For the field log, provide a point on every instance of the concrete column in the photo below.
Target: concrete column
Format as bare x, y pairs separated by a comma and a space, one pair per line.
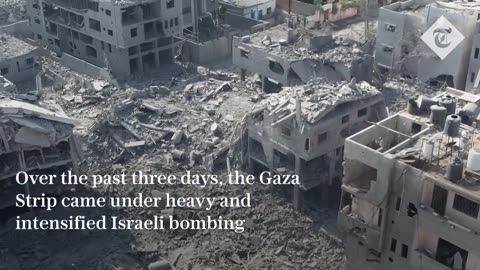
38, 82
157, 59
243, 74
195, 16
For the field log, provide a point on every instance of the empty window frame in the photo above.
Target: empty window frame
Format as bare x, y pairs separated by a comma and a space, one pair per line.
244, 53
94, 24
285, 130
91, 51
108, 12
393, 245
387, 48
362, 112
3, 71
466, 206
477, 51
170, 3
390, 27
322, 137
133, 32
345, 119
404, 253
29, 61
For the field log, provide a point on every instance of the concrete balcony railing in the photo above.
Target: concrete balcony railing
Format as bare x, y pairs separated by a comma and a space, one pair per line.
427, 261
449, 230
349, 223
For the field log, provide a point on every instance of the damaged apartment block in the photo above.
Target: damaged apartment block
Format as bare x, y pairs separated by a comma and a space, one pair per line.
302, 130
34, 140
283, 56
411, 188
400, 49
126, 37
18, 59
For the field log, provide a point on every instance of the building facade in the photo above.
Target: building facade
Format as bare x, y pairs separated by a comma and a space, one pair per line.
18, 59
126, 37
303, 131
400, 49
410, 190
285, 56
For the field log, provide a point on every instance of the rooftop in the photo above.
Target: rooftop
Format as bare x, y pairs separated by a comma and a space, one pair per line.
19, 108
297, 44
11, 47
403, 136
246, 3
317, 99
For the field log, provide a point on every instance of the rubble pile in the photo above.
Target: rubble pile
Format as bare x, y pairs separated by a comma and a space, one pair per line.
296, 44
169, 125
12, 11
398, 91
317, 98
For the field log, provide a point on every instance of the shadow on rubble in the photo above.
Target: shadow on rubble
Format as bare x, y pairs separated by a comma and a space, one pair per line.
64, 249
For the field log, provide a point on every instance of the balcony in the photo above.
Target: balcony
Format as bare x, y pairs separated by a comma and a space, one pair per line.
428, 260
449, 230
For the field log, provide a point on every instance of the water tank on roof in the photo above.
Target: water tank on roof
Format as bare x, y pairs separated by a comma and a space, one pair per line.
438, 114
455, 169
449, 103
427, 150
469, 113
452, 125
473, 161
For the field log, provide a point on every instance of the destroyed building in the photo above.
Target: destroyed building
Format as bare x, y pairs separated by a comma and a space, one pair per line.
283, 56
18, 59
302, 130
399, 46
33, 139
126, 37
252, 9
411, 188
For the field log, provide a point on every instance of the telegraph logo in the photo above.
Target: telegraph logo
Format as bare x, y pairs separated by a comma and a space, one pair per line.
442, 37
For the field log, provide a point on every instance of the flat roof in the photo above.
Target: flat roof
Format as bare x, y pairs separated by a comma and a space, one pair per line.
297, 44
11, 47
404, 135
317, 99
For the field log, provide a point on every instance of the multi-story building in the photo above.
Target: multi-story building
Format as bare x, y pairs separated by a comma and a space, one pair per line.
33, 140
411, 188
399, 47
18, 59
301, 130
473, 78
285, 56
124, 36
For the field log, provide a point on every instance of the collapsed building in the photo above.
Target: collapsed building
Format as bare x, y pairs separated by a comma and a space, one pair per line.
411, 188
302, 130
33, 139
283, 56
125, 37
400, 49
18, 59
